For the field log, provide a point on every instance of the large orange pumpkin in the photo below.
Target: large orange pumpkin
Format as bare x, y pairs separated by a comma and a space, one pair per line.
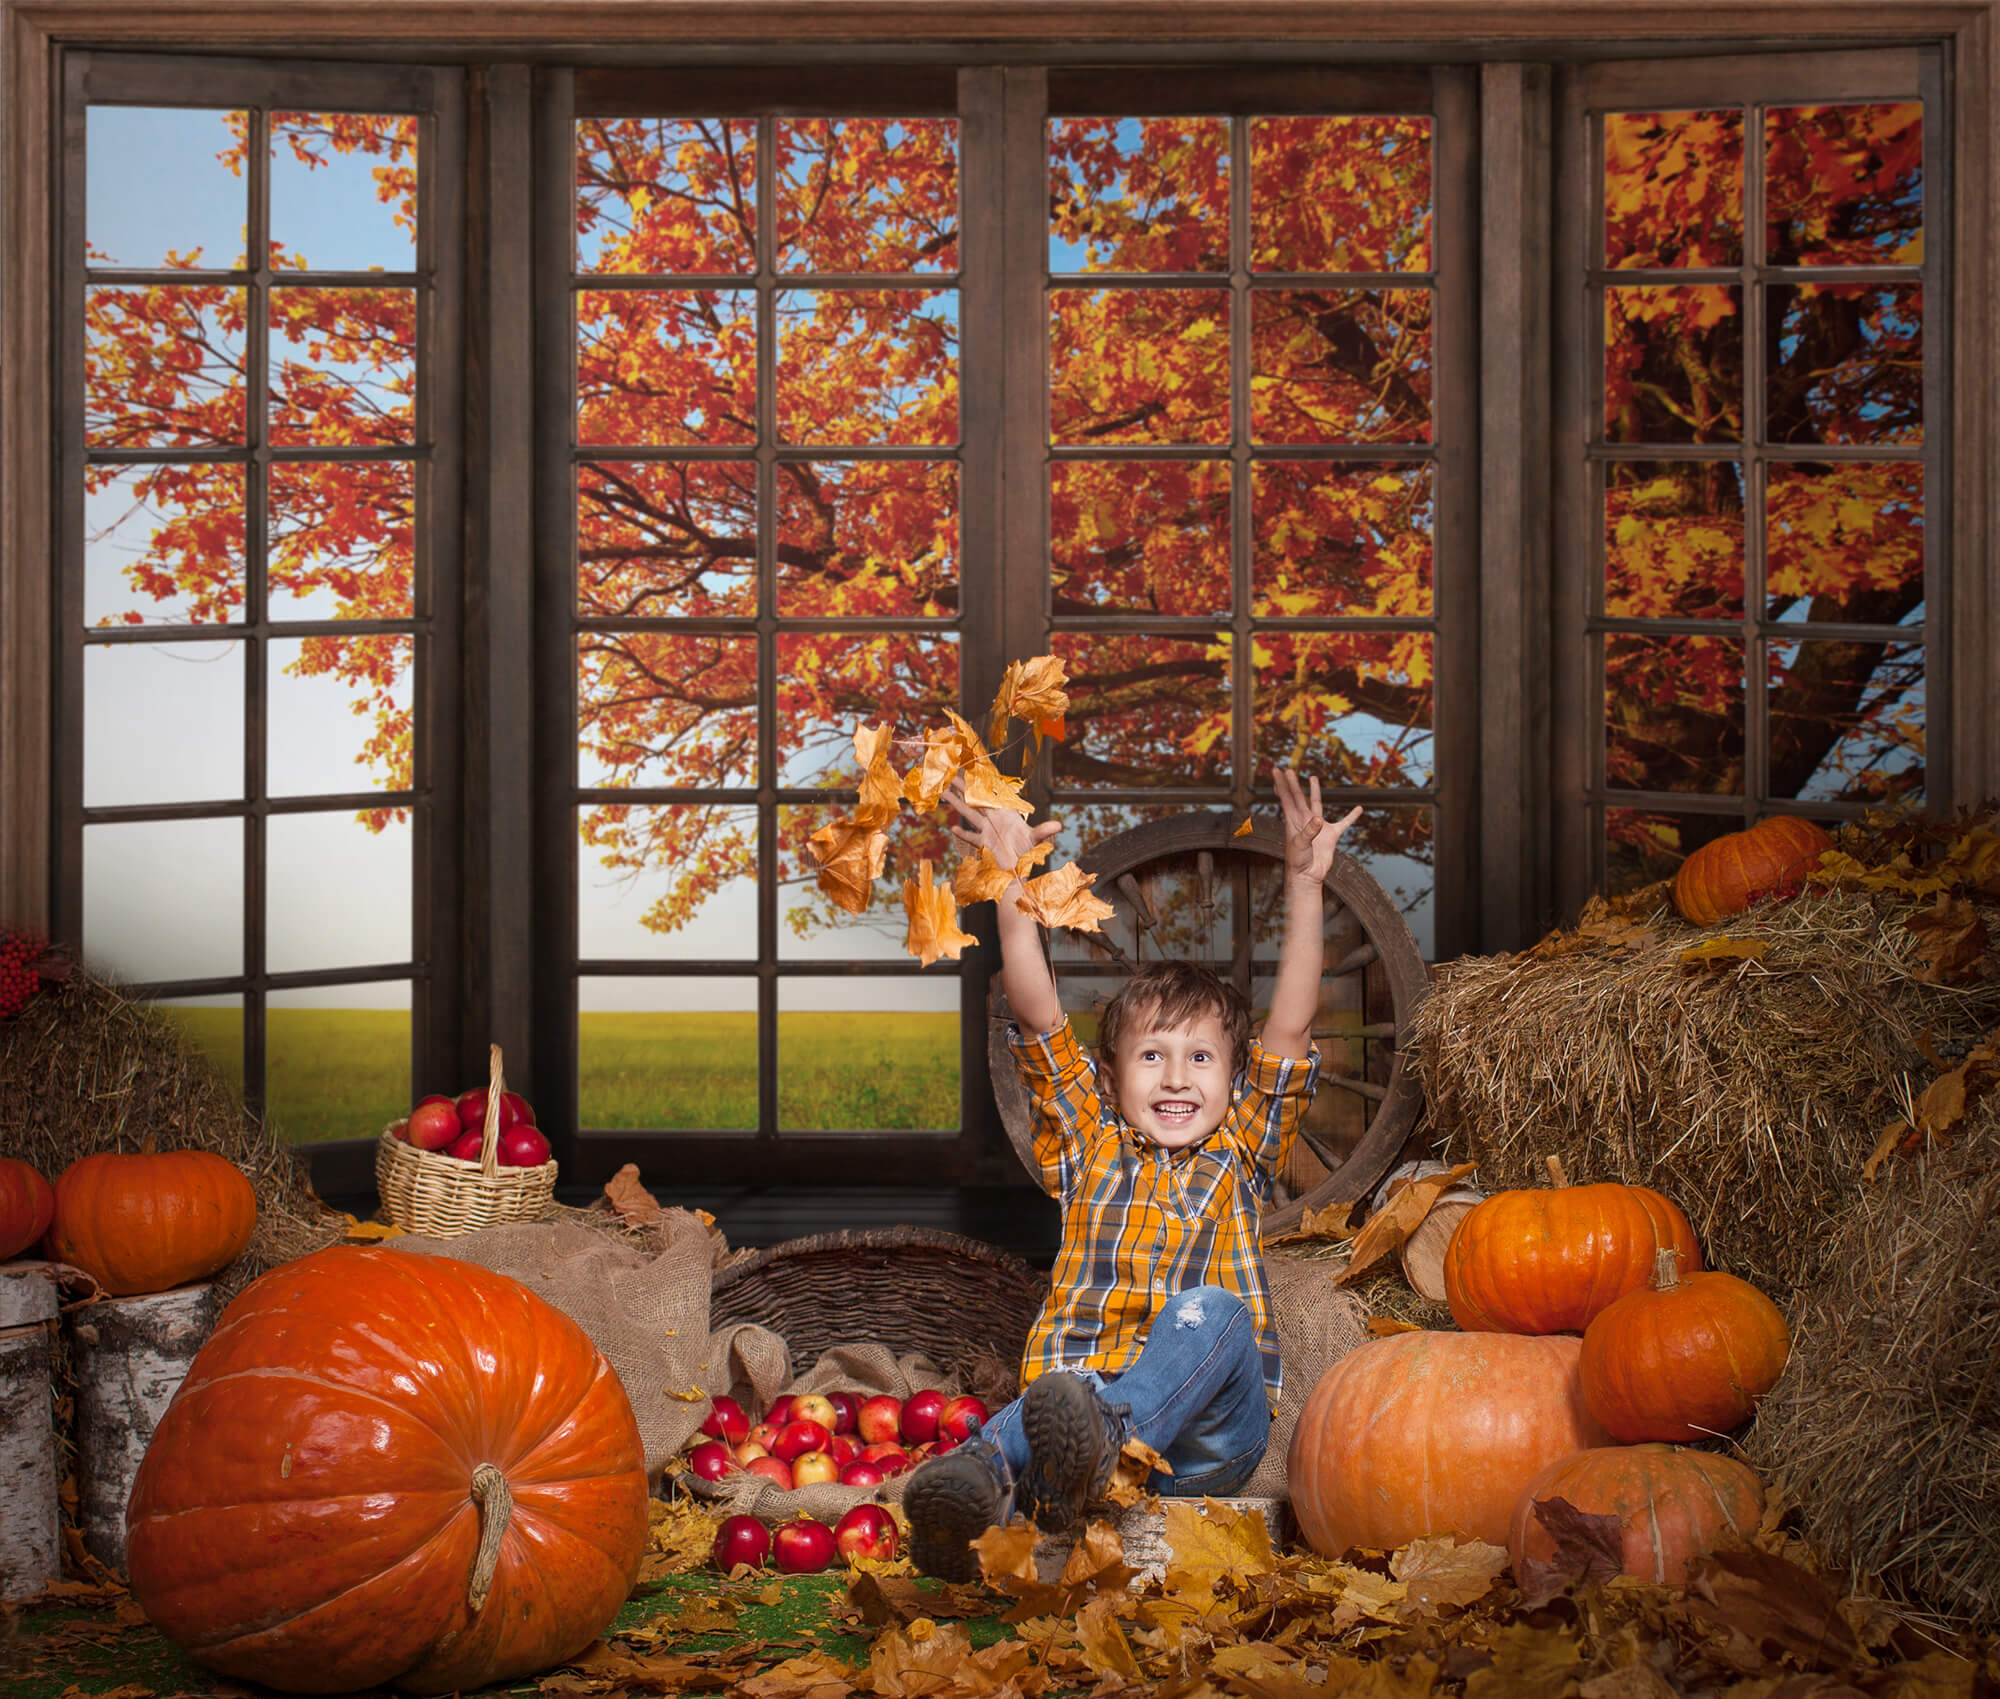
1431, 1433
1727, 874
1548, 1259
146, 1221
1672, 1505
385, 1467
27, 1202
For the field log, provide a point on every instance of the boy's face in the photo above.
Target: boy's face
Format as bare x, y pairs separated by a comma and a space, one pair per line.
1173, 1082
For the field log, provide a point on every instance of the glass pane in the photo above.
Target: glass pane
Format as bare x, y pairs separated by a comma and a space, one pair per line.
666, 366
865, 1055
1139, 365
1674, 714
1846, 541
678, 1053
344, 191
163, 545
666, 884
1673, 363
358, 869
1348, 707
1847, 721
1085, 825
214, 1026
1329, 541
659, 539
163, 899
1644, 846
1139, 194
1340, 365
1144, 711
813, 928
1848, 366
1673, 189
1673, 539
1140, 536
1845, 184
831, 682
868, 366
867, 194
1340, 194
655, 708
343, 540
1187, 917
868, 539
163, 367
337, 1062
1398, 846
162, 722
342, 714
343, 367
666, 195
164, 186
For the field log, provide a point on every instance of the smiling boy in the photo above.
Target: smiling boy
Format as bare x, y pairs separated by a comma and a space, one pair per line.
1162, 1152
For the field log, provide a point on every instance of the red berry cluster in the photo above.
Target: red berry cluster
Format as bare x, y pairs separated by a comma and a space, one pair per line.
20, 970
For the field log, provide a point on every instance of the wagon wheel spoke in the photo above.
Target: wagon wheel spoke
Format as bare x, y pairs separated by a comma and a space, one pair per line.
1361, 956
1360, 1087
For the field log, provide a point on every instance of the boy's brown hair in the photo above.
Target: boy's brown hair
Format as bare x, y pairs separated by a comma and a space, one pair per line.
1173, 994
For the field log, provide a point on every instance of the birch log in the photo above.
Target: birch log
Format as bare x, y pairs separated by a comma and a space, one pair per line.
30, 1536
128, 1357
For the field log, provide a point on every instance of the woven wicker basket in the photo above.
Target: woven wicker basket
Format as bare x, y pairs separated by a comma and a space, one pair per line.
425, 1191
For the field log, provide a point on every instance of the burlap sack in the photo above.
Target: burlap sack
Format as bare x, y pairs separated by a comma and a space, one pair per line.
1318, 1324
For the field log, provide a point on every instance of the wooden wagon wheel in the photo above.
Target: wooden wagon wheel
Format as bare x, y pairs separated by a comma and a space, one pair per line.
1187, 887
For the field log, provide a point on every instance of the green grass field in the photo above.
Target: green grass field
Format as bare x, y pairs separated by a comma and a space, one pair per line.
345, 1073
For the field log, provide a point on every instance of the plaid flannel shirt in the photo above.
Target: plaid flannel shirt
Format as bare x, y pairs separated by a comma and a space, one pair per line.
1140, 1223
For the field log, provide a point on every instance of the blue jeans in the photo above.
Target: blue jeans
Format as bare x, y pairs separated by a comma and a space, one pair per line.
1196, 1396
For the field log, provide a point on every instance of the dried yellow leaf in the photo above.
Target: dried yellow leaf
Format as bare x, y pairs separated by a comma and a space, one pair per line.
850, 857
1062, 898
934, 929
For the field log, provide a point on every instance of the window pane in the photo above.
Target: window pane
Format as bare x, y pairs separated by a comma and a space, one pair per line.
658, 539
358, 871
162, 722
1845, 184
666, 195
343, 366
658, 708
214, 1026
1340, 365
867, 539
1340, 194
1396, 846
1847, 721
342, 539
1643, 846
868, 366
1330, 541
342, 713
1673, 189
164, 187
337, 1062
864, 1054
666, 366
867, 194
671, 883
1349, 707
163, 367
1140, 536
1674, 714
163, 899
813, 928
1085, 825
163, 545
1673, 539
1846, 541
1139, 365
1848, 365
831, 682
1139, 194
344, 191
668, 1053
1144, 711
1673, 363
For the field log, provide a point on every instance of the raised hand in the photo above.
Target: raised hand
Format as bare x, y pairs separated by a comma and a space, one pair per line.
1311, 840
1006, 834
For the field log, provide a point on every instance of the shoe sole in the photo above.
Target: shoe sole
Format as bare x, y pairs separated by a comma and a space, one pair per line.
1066, 1439
947, 1511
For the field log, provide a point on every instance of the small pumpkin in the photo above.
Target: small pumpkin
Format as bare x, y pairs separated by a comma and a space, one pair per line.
1549, 1259
146, 1221
1673, 1505
27, 1201
1431, 1433
1727, 874
1687, 1358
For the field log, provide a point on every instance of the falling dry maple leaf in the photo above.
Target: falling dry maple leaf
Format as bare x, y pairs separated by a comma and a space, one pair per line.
881, 784
980, 879
1032, 691
850, 858
933, 916
1062, 898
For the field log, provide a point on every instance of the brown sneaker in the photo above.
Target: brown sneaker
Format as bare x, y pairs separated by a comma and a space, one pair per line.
1074, 1438
952, 1500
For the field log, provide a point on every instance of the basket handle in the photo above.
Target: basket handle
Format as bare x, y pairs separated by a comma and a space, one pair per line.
489, 1145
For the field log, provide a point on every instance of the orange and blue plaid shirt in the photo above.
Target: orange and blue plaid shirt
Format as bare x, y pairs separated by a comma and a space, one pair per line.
1140, 1223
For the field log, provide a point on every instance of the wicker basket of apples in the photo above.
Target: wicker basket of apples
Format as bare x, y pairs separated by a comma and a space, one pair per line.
454, 1165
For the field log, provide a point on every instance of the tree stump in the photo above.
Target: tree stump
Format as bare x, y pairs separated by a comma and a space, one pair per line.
30, 1523
128, 1357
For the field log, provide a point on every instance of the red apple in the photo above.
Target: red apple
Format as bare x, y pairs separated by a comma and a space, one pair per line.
890, 1459
514, 1110
746, 1451
866, 1531
943, 1443
795, 1439
521, 1147
846, 1449
726, 1420
920, 1414
862, 1473
772, 1469
804, 1547
811, 1466
711, 1460
962, 1415
780, 1412
741, 1539
764, 1434
814, 1407
880, 1418
432, 1124
468, 1146
401, 1129
846, 1411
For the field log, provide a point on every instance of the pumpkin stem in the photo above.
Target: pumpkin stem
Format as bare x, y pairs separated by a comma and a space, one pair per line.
1666, 1268
496, 1506
1554, 1164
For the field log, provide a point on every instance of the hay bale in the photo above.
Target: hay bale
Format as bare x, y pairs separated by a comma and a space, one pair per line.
1749, 1092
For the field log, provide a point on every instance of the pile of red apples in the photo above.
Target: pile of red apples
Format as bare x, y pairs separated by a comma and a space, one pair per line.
456, 1127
